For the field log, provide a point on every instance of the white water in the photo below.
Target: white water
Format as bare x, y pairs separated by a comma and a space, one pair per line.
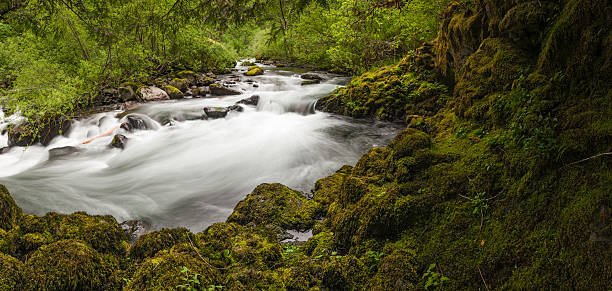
191, 172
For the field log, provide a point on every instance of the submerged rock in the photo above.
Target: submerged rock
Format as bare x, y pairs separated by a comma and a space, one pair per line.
311, 76
220, 90
134, 122
310, 82
253, 100
119, 141
237, 108
61, 152
215, 112
135, 229
4, 150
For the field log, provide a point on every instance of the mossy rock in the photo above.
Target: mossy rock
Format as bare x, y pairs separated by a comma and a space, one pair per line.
68, 265
10, 213
277, 205
254, 71
11, 273
396, 271
327, 190
149, 244
320, 244
375, 166
188, 75
256, 248
245, 278
173, 92
165, 272
310, 82
344, 273
218, 237
8, 241
408, 141
247, 64
180, 84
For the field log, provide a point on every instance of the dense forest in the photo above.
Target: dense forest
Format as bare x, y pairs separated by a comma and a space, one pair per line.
498, 178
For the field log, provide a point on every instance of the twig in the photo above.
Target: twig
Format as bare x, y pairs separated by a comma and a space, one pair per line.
468, 198
198, 252
483, 280
589, 158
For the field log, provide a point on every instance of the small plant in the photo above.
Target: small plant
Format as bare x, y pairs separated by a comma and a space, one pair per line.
373, 258
433, 278
193, 283
480, 203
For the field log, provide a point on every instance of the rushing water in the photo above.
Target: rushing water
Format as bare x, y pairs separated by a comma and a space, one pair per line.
186, 172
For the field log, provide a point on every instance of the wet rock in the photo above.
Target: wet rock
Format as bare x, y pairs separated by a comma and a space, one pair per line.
200, 92
119, 141
255, 85
215, 112
253, 100
61, 152
4, 150
220, 90
237, 108
24, 135
311, 76
153, 93
134, 122
190, 76
205, 81
310, 82
127, 94
135, 228
249, 81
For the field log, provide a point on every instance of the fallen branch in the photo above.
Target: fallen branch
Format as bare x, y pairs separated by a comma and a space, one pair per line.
483, 280
589, 158
107, 133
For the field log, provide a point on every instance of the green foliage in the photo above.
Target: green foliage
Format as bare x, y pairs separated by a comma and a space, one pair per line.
434, 279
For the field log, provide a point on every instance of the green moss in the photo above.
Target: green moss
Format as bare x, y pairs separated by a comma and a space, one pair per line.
254, 71
396, 271
173, 92
11, 274
10, 213
408, 141
243, 278
150, 244
256, 248
103, 233
189, 75
8, 241
68, 265
344, 273
277, 205
163, 272
327, 189
180, 84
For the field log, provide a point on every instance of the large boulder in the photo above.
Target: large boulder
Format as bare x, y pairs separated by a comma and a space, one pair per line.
49, 128
220, 90
57, 153
68, 265
153, 93
275, 205
215, 112
151, 243
11, 273
9, 211
253, 100
134, 122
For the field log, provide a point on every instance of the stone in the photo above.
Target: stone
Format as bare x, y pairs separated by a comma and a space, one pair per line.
220, 90
119, 141
237, 108
134, 122
62, 152
253, 100
23, 135
311, 76
153, 93
215, 112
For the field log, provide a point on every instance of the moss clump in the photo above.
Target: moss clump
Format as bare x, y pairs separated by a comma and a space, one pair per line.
275, 205
149, 244
68, 265
254, 71
188, 75
180, 84
396, 271
10, 213
11, 273
408, 141
100, 232
8, 241
173, 92
164, 272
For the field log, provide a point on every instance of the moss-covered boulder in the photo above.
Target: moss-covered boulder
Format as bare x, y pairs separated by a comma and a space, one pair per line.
68, 265
11, 273
171, 270
102, 233
276, 205
173, 92
190, 76
254, 71
10, 213
180, 84
149, 244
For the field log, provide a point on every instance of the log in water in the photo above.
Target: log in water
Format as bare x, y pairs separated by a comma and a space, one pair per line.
186, 171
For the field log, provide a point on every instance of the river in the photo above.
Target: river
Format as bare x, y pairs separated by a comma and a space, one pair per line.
192, 173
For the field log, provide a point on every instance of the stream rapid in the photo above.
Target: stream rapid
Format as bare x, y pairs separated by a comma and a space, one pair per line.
186, 171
